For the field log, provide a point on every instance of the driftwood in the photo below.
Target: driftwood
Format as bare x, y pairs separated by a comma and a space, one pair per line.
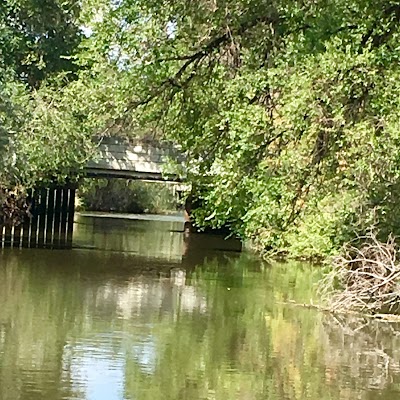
395, 318
365, 279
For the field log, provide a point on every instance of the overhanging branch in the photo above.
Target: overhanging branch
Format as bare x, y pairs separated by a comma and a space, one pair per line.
197, 57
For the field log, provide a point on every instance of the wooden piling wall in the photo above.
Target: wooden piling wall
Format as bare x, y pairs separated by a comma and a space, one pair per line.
50, 225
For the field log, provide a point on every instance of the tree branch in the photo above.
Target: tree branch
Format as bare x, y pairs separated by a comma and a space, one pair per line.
378, 39
213, 45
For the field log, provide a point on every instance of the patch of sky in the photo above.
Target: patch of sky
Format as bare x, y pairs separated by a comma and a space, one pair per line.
86, 30
171, 29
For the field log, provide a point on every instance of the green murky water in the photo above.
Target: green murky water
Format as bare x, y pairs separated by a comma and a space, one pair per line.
143, 313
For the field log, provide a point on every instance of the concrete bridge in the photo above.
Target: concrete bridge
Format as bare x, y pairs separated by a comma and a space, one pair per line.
143, 160
51, 224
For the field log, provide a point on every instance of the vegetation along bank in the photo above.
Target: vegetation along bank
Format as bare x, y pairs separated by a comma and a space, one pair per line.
288, 111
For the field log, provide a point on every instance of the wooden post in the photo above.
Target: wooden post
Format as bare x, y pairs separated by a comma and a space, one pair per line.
57, 218
34, 221
64, 217
17, 236
42, 218
71, 211
26, 226
186, 212
25, 232
7, 236
49, 218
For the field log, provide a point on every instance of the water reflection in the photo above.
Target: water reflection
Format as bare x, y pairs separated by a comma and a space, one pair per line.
148, 238
88, 324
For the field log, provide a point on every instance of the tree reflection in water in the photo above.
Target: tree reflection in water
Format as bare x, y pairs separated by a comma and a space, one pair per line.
95, 325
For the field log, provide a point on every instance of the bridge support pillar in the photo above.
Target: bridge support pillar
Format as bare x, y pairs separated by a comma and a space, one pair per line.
188, 221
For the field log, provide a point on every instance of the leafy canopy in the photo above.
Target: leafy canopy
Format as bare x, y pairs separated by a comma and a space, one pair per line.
288, 110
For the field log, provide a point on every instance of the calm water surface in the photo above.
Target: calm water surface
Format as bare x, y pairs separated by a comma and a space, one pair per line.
140, 312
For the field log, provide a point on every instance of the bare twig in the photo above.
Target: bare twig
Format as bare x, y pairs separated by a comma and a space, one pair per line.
368, 278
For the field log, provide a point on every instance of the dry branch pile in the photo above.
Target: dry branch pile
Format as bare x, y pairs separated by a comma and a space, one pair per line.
367, 279
14, 206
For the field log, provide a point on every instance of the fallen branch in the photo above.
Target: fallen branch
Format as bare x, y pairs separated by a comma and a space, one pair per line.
395, 318
365, 279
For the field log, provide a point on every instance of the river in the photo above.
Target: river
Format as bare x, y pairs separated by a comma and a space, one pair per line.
139, 311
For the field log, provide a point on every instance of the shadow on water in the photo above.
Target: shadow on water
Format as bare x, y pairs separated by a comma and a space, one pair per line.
161, 238
146, 319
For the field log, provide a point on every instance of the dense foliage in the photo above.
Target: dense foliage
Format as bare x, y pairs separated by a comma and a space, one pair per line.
288, 110
121, 195
37, 42
37, 37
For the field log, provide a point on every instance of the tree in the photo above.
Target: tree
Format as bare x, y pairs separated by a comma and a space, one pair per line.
41, 137
38, 37
288, 110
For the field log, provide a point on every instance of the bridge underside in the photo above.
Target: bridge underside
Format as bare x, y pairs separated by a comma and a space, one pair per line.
99, 173
130, 174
